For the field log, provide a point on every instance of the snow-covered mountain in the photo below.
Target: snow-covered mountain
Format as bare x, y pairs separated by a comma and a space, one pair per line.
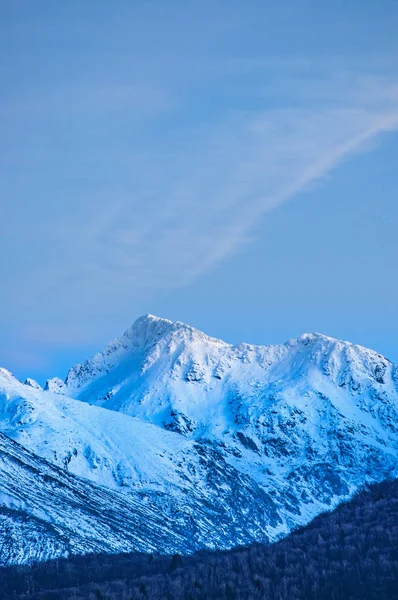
273, 411
230, 443
46, 512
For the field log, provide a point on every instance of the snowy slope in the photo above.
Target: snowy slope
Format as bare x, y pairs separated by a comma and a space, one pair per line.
46, 512
309, 420
159, 370
190, 486
230, 443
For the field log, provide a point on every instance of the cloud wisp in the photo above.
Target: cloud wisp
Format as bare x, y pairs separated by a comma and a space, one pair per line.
195, 199
250, 165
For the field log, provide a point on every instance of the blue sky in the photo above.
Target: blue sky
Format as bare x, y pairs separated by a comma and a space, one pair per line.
232, 165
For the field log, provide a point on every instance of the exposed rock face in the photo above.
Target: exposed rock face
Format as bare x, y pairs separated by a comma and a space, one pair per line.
33, 384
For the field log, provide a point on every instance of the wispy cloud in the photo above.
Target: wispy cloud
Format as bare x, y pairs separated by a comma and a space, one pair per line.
197, 197
245, 168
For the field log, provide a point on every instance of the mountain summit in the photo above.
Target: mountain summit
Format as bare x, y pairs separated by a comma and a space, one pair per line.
232, 443
159, 369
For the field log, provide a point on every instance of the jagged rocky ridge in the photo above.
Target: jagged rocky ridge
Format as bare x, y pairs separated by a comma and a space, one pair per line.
233, 443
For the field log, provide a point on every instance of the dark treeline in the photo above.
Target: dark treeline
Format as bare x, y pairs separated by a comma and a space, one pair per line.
349, 554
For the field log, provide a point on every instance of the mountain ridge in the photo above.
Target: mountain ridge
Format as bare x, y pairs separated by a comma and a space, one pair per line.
197, 427
138, 334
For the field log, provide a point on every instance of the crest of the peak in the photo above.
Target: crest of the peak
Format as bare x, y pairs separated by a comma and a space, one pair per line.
150, 328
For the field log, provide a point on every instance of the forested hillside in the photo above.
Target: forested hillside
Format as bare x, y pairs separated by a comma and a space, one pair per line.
350, 553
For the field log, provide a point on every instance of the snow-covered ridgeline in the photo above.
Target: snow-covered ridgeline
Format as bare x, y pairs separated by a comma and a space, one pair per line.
234, 443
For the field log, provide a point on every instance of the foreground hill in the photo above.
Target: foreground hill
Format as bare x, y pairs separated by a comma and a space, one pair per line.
150, 489
228, 444
349, 554
46, 512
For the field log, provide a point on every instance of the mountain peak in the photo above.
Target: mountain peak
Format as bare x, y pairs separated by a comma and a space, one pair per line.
145, 329
315, 337
155, 354
7, 375
149, 328
55, 385
32, 383
153, 319
147, 334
